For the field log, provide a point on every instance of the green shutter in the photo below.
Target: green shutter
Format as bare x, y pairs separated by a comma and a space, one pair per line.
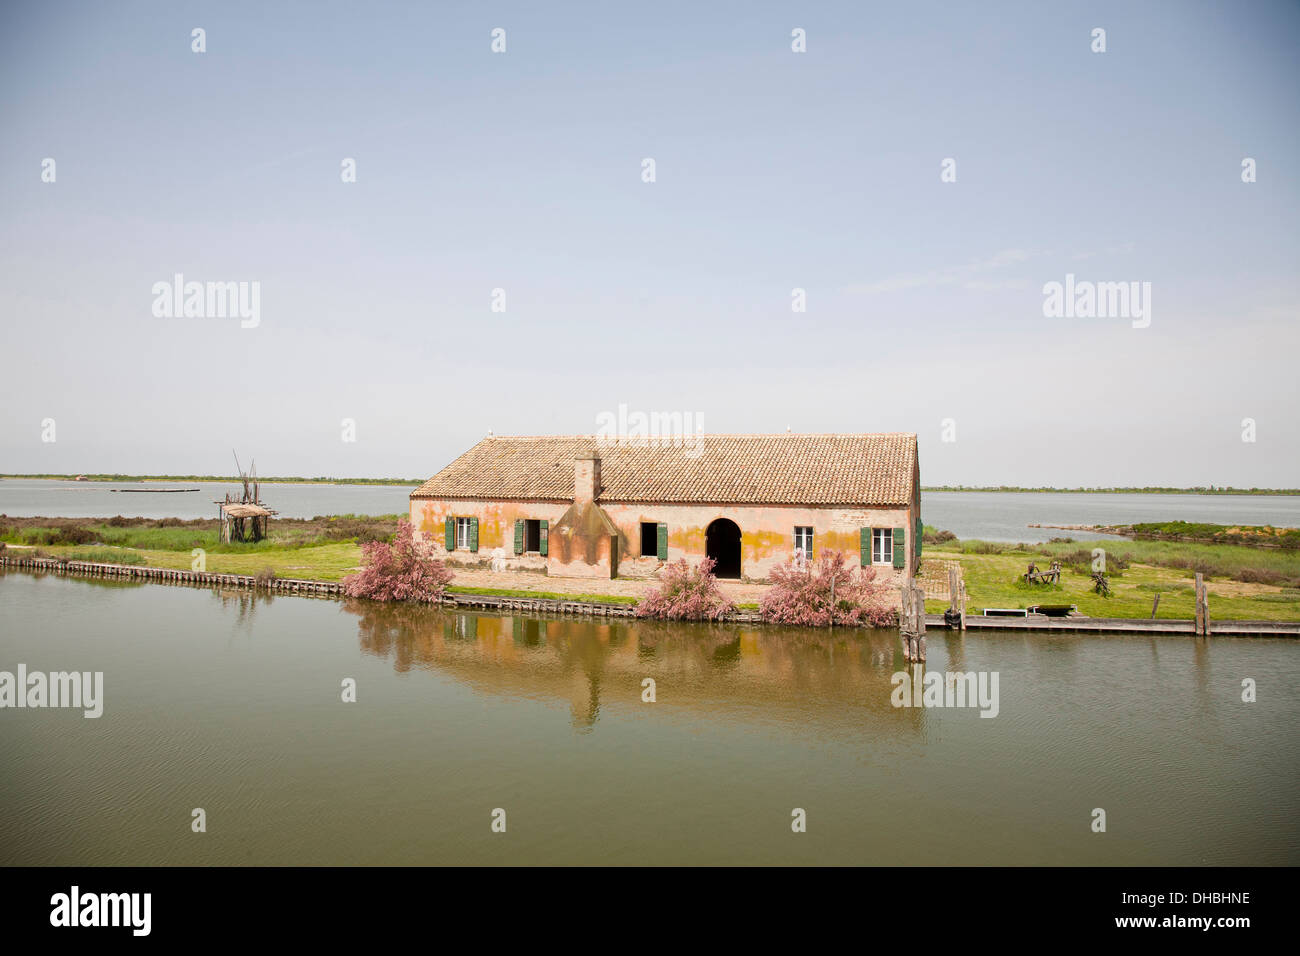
661, 535
473, 534
919, 531
519, 536
864, 546
544, 537
451, 534
900, 544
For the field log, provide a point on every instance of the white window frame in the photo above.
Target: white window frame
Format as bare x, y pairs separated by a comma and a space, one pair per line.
463, 526
882, 546
803, 538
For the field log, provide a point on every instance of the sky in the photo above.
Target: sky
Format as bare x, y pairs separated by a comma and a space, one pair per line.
380, 348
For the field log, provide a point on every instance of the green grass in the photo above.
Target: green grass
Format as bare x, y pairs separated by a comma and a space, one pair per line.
995, 580
322, 562
1234, 562
547, 595
1258, 535
104, 555
184, 536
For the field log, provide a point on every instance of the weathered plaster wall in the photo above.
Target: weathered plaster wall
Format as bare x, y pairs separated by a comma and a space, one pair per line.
496, 526
583, 543
767, 532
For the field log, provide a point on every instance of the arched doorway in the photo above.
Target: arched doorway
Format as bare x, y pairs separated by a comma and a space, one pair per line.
722, 544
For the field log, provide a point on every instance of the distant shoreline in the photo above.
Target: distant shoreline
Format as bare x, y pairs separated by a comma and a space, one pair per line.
225, 479
1008, 489
412, 482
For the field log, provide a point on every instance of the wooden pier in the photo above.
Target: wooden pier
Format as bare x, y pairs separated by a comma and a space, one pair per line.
1124, 625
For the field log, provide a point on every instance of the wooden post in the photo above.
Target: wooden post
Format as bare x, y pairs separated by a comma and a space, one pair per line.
1155, 605
907, 611
954, 591
832, 602
1202, 609
1204, 604
918, 596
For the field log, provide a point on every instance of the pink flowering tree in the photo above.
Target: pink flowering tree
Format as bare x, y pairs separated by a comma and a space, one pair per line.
402, 571
827, 592
686, 593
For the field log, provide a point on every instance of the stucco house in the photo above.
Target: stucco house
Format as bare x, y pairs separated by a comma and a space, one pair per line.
581, 506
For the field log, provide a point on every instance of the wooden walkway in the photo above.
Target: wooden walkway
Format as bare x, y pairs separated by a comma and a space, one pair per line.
1121, 625
494, 602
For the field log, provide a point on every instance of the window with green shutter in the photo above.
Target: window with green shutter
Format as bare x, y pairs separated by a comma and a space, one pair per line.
900, 546
451, 534
882, 545
544, 537
663, 541
920, 528
473, 534
864, 546
519, 536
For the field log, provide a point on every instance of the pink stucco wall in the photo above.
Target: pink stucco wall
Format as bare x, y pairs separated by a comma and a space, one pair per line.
767, 532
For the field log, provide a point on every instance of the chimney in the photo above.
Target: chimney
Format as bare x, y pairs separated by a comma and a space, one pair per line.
586, 477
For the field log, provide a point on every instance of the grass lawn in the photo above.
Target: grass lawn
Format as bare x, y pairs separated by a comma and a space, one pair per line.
993, 580
324, 562
548, 595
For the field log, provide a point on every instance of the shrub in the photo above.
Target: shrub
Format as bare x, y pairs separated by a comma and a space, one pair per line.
265, 578
801, 596
686, 594
1080, 561
402, 571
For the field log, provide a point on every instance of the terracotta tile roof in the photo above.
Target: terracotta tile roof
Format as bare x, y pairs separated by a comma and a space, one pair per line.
873, 469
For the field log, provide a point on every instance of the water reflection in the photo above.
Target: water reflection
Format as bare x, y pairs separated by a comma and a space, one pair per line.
790, 675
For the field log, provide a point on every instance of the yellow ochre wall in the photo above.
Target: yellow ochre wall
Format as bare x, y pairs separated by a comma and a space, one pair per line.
767, 531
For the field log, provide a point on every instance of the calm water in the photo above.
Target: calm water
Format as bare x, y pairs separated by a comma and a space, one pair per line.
22, 498
992, 516
1005, 516
233, 704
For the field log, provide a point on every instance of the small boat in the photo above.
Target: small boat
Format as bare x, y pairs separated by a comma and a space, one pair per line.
1054, 610
150, 491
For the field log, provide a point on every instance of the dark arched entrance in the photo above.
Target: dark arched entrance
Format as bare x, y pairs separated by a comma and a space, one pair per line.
722, 544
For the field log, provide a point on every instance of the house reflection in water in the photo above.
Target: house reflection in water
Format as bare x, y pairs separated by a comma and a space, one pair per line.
831, 680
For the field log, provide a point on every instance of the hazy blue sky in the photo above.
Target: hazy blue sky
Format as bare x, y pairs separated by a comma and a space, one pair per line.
775, 170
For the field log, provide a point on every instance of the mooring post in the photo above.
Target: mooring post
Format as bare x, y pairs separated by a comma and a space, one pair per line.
1204, 601
906, 612
1202, 625
1155, 605
918, 597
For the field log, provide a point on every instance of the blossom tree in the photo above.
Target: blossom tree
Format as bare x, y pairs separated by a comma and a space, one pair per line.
828, 592
402, 571
686, 593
